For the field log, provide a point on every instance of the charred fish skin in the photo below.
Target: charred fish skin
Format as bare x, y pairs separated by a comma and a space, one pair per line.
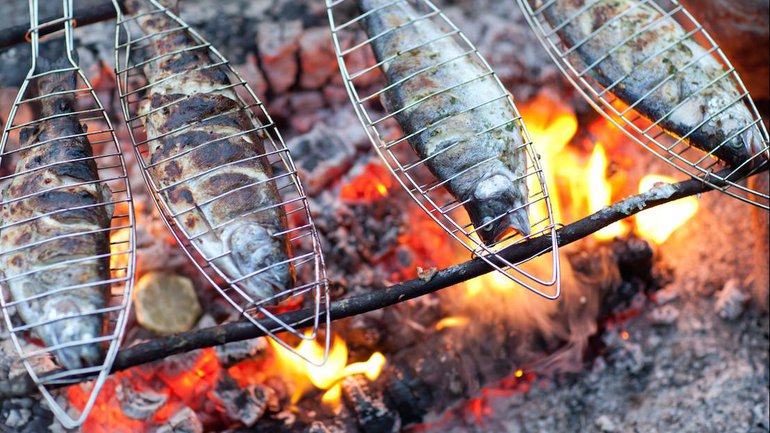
479, 152
56, 209
205, 158
677, 74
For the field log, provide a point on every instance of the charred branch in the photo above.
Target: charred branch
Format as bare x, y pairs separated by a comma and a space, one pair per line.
84, 13
161, 348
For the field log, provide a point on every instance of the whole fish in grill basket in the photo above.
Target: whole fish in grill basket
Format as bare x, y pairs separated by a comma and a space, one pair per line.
206, 157
642, 55
55, 227
65, 281
476, 152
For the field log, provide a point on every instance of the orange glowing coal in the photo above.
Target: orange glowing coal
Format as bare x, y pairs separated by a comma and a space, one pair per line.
304, 375
369, 186
660, 222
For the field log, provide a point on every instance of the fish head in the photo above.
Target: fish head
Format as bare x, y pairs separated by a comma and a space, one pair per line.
497, 206
72, 325
262, 258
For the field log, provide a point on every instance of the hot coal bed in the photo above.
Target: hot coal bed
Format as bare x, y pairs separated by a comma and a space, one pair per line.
656, 330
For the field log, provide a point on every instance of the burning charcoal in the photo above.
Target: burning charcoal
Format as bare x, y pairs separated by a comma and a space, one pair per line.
373, 414
317, 58
321, 157
731, 300
278, 43
166, 303
230, 354
138, 404
184, 421
245, 405
664, 315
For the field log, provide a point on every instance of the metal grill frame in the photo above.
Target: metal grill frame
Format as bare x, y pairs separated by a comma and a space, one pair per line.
689, 160
427, 199
122, 279
250, 309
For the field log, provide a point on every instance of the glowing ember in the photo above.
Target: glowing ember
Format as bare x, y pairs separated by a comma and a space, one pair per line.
519, 373
660, 222
371, 185
452, 322
305, 375
600, 191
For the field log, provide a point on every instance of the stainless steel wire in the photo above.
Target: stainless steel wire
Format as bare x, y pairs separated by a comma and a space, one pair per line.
305, 257
674, 148
50, 240
366, 83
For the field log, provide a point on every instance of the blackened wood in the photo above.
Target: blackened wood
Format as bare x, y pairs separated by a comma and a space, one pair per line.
84, 13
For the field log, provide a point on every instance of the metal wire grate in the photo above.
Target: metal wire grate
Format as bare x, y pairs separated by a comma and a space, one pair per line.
652, 70
409, 57
218, 170
67, 226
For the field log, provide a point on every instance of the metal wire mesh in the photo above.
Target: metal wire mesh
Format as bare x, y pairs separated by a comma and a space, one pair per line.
419, 30
651, 69
67, 227
202, 165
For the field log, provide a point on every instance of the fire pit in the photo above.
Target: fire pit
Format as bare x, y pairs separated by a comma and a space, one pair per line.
661, 326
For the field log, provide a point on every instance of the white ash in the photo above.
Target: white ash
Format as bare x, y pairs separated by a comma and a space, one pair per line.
322, 157
139, 405
230, 354
731, 300
664, 315
184, 421
244, 405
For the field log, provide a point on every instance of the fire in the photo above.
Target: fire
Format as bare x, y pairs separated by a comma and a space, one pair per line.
600, 191
452, 322
371, 185
306, 375
551, 126
660, 222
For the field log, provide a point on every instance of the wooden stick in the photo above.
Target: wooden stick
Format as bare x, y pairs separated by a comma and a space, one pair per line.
85, 13
163, 347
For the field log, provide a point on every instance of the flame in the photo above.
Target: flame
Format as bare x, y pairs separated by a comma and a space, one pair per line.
452, 322
369, 186
551, 126
600, 191
491, 281
660, 222
305, 375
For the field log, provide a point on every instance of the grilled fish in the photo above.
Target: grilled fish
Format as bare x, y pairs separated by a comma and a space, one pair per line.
207, 160
54, 232
679, 81
478, 152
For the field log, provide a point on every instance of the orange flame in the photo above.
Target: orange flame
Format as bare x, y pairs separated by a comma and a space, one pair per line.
305, 375
600, 191
452, 322
660, 222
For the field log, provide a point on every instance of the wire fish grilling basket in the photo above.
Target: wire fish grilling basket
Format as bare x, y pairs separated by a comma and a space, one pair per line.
67, 228
445, 126
652, 70
219, 171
